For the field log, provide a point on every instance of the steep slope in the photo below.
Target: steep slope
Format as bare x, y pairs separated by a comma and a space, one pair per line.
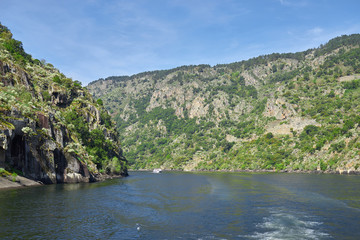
294, 111
51, 129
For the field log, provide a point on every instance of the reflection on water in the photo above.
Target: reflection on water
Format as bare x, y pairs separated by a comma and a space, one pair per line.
187, 206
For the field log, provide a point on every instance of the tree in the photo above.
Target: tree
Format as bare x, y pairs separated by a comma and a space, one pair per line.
100, 102
274, 68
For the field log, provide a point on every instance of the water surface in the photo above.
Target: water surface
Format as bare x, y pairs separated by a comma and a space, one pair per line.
176, 205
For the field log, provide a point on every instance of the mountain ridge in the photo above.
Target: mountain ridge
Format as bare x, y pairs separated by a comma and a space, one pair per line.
285, 112
332, 44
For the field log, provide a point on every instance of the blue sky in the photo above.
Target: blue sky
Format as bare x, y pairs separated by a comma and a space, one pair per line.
91, 39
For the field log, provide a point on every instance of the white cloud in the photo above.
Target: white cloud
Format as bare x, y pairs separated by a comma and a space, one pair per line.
315, 31
294, 3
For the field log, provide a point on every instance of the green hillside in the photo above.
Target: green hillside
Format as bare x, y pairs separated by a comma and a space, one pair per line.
292, 111
51, 129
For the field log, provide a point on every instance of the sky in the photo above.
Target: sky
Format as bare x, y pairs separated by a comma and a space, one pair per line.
91, 39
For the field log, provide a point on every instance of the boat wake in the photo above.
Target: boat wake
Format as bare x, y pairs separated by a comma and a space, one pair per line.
284, 225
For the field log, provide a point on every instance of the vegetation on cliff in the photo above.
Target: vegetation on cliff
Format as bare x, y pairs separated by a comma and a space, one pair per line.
292, 111
51, 129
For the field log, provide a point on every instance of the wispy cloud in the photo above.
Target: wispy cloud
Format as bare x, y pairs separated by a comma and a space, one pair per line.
90, 39
294, 3
315, 31
213, 12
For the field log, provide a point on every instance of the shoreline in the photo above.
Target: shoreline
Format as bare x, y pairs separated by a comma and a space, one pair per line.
342, 172
22, 182
18, 182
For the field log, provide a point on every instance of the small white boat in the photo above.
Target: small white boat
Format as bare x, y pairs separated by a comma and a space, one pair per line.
157, 170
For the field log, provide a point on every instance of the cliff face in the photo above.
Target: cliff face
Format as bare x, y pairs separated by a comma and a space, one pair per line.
35, 149
51, 129
293, 111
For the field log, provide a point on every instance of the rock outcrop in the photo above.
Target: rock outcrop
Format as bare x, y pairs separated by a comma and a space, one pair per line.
51, 129
38, 156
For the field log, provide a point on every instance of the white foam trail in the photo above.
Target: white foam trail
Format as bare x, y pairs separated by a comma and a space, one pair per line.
284, 225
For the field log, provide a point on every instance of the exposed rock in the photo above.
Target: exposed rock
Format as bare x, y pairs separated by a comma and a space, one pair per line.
279, 109
161, 127
349, 78
296, 124
37, 138
43, 120
231, 138
18, 181
40, 157
197, 108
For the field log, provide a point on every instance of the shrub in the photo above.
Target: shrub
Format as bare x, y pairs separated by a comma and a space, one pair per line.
338, 147
309, 130
14, 175
354, 84
100, 102
348, 124
331, 94
15, 47
269, 135
4, 173
46, 96
28, 131
56, 79
323, 166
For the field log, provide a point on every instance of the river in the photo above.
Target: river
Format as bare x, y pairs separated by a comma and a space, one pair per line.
178, 205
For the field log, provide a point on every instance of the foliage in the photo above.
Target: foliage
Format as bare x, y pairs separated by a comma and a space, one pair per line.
220, 117
338, 42
94, 141
28, 131
354, 84
100, 102
15, 47
34, 92
4, 173
284, 76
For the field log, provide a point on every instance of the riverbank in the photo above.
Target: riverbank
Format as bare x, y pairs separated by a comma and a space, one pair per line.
19, 181
341, 172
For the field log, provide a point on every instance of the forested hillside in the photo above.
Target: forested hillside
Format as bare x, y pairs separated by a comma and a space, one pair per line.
293, 111
51, 129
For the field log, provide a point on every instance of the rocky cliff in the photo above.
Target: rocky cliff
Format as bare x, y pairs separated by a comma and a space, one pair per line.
292, 111
51, 129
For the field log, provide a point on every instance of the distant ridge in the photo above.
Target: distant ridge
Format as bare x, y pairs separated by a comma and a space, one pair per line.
278, 112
